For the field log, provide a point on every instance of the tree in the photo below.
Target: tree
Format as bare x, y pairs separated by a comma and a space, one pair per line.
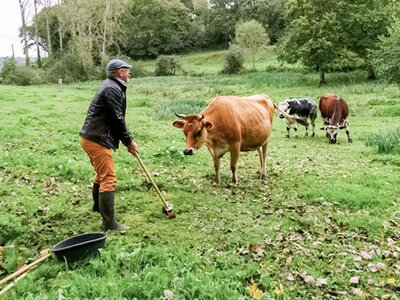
386, 57
363, 21
160, 27
23, 6
252, 39
47, 4
314, 36
39, 61
223, 16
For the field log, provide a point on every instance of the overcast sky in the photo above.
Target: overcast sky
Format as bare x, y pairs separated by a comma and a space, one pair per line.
10, 22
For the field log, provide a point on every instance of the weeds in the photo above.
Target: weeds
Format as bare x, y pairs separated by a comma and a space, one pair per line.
387, 142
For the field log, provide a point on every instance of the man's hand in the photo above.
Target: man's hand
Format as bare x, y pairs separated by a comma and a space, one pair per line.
133, 148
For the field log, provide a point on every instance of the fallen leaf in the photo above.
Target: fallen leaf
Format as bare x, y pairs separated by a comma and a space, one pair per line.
169, 295
309, 279
372, 267
357, 291
391, 281
290, 277
366, 255
278, 290
381, 266
355, 279
321, 281
255, 292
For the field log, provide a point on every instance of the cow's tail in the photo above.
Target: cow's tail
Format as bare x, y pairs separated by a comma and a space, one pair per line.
276, 105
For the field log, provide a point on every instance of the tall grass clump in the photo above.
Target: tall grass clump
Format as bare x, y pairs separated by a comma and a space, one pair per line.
387, 142
168, 65
167, 109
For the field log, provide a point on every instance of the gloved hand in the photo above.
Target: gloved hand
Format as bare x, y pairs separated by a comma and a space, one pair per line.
133, 148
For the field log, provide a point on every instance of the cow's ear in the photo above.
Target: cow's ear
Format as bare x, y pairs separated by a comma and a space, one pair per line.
209, 125
178, 124
322, 128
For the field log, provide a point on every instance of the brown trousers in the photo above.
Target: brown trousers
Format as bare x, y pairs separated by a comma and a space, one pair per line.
102, 162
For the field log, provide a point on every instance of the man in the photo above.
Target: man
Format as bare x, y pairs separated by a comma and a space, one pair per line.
104, 127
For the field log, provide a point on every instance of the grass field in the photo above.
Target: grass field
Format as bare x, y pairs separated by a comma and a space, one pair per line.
323, 224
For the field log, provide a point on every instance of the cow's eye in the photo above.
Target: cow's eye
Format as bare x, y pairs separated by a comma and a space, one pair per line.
198, 133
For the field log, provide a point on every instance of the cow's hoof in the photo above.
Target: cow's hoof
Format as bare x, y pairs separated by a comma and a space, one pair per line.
313, 135
232, 184
350, 140
288, 136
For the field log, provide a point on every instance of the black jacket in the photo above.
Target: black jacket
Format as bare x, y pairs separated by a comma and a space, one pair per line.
105, 120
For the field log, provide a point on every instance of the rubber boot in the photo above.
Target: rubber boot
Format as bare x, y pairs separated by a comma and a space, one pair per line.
95, 193
106, 201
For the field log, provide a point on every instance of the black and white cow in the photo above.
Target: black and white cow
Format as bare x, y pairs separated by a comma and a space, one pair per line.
297, 111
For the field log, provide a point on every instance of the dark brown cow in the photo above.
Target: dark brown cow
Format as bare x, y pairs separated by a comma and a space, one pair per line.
231, 124
334, 111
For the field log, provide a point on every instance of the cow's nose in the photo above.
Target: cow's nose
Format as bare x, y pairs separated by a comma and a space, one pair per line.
188, 151
333, 141
281, 116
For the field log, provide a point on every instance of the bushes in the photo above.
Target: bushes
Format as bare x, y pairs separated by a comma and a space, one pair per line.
386, 59
233, 61
167, 65
68, 67
21, 75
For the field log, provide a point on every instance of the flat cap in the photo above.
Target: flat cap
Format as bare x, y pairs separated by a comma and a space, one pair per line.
118, 64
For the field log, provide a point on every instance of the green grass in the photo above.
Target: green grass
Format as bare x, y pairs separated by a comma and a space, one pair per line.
387, 142
320, 209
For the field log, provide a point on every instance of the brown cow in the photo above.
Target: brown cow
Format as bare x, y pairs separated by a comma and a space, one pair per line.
231, 124
334, 111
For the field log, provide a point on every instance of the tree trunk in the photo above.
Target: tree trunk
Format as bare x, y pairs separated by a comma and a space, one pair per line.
321, 77
103, 47
371, 73
48, 33
39, 62
22, 6
60, 34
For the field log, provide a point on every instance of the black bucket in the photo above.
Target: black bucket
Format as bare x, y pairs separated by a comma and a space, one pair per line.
80, 246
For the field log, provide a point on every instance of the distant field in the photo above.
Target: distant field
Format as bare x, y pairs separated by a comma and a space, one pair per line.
323, 224
212, 62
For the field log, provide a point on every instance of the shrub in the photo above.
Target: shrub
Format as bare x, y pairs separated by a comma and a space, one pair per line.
69, 67
9, 66
387, 142
386, 59
233, 61
22, 75
138, 70
167, 65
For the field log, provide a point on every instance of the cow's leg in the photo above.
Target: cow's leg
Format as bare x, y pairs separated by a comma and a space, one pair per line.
348, 131
306, 131
313, 126
287, 128
235, 151
262, 153
216, 159
295, 130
